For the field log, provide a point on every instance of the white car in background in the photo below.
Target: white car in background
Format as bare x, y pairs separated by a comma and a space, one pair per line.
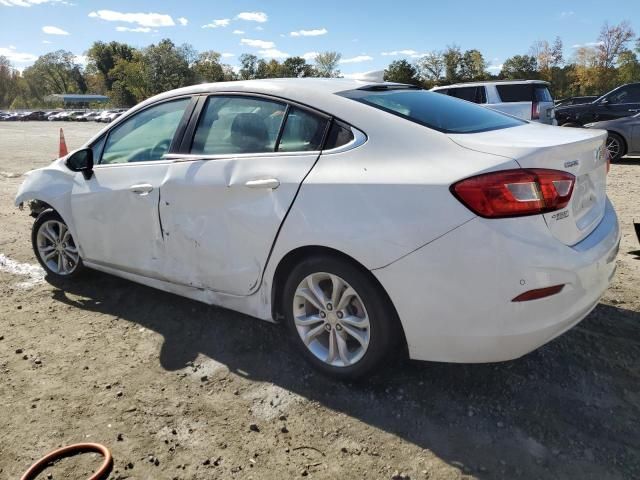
526, 99
372, 218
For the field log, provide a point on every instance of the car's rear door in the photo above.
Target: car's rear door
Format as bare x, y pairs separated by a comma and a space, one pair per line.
116, 210
224, 200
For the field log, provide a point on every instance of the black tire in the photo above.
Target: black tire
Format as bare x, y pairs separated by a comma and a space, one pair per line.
621, 150
384, 331
47, 216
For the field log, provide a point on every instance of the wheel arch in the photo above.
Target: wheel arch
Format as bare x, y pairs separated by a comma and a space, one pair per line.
297, 255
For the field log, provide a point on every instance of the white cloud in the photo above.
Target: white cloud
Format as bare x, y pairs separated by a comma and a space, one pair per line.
136, 29
50, 30
142, 19
309, 33
228, 55
222, 22
259, 28
238, 32
183, 21
81, 59
371, 76
495, 68
17, 57
259, 17
46, 42
273, 53
28, 3
357, 59
588, 44
567, 14
257, 43
395, 53
309, 55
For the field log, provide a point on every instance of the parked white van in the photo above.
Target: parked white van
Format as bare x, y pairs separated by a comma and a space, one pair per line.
526, 99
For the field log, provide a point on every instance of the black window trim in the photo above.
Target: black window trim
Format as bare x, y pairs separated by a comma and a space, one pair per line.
184, 152
177, 136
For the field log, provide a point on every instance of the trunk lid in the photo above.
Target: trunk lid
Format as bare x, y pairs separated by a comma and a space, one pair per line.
580, 152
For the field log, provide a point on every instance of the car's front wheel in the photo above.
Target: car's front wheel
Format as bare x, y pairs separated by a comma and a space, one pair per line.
55, 247
342, 321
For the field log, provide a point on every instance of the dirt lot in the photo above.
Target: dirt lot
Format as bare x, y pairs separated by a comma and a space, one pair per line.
180, 390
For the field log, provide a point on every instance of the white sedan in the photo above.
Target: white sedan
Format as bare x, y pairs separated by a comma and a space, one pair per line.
373, 219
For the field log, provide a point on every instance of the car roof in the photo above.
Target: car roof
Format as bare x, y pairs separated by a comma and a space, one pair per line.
492, 82
312, 91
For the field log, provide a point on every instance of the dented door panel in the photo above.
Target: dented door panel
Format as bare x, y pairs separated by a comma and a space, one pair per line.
221, 216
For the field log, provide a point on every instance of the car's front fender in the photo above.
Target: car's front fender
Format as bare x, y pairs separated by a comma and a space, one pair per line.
52, 185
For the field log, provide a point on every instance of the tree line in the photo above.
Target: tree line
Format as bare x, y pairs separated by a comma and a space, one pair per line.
129, 75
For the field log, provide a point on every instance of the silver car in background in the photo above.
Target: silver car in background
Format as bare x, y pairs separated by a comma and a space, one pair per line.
623, 135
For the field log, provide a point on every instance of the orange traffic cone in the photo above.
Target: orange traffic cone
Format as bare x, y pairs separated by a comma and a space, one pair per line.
62, 149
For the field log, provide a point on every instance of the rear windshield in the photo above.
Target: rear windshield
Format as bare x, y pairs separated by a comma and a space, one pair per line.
439, 112
524, 92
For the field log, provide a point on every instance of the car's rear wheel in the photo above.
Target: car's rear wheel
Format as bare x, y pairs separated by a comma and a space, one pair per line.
55, 247
615, 146
339, 317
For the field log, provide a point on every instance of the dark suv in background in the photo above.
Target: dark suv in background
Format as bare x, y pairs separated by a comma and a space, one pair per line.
620, 102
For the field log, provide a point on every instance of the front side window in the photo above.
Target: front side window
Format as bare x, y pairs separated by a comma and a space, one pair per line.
234, 124
629, 94
438, 112
145, 136
303, 131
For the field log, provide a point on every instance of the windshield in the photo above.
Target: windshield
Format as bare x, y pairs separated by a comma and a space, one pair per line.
439, 112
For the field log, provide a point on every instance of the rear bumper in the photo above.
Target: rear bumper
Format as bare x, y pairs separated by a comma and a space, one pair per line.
454, 295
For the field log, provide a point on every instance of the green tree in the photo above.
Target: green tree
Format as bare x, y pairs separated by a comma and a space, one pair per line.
326, 64
452, 58
207, 67
473, 66
431, 66
167, 66
296, 67
248, 66
628, 67
519, 67
102, 58
402, 71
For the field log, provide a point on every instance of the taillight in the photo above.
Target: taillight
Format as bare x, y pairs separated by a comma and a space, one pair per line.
514, 193
535, 111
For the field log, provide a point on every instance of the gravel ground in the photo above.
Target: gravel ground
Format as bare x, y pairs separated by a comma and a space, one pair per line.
180, 390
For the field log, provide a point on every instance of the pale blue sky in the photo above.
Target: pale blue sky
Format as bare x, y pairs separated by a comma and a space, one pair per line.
369, 34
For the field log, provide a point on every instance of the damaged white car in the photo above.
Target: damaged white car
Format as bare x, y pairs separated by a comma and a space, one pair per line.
372, 218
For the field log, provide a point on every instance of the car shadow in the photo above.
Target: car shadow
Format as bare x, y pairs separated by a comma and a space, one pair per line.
570, 407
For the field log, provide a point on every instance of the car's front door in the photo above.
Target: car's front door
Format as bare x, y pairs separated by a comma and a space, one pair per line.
116, 210
223, 203
623, 102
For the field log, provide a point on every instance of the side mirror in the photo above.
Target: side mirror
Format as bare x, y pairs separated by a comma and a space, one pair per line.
81, 161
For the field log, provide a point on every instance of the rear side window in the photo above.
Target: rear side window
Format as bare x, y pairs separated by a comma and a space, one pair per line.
238, 125
303, 131
524, 92
339, 135
439, 112
470, 94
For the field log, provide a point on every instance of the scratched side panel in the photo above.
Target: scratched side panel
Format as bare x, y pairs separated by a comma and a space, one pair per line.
218, 232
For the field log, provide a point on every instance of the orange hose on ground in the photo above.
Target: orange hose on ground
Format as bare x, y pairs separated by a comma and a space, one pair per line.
67, 451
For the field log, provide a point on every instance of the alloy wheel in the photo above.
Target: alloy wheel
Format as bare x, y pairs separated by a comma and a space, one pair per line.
613, 146
331, 319
57, 248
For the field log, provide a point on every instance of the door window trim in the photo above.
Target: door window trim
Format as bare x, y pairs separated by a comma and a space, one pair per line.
175, 141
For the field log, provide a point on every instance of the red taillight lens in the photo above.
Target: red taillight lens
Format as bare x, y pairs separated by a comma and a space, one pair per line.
514, 193
535, 111
538, 293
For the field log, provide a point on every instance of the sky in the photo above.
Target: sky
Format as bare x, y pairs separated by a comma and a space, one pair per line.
369, 34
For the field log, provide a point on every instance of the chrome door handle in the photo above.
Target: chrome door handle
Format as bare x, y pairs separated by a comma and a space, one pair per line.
634, 110
141, 189
271, 183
